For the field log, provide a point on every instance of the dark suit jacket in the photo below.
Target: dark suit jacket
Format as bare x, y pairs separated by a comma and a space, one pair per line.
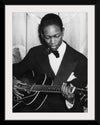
37, 60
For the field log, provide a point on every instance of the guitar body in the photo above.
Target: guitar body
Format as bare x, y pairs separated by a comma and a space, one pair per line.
35, 100
46, 97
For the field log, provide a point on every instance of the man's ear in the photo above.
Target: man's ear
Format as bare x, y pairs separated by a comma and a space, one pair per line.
41, 34
63, 31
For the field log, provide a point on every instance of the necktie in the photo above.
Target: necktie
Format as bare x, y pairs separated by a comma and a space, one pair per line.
56, 53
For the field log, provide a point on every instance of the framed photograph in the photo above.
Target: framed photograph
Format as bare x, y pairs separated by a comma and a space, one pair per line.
81, 22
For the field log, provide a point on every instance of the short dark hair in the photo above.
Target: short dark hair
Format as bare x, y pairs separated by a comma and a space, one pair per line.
50, 19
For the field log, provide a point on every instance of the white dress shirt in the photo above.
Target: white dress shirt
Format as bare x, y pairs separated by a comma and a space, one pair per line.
55, 64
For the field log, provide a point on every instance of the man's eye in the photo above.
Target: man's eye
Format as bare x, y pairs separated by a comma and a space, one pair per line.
57, 36
47, 37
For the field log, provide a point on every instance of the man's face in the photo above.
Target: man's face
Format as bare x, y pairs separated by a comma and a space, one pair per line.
52, 35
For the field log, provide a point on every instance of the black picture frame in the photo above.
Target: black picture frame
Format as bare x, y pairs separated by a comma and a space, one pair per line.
97, 50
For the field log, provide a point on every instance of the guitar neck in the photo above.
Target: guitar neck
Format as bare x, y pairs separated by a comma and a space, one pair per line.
51, 88
46, 88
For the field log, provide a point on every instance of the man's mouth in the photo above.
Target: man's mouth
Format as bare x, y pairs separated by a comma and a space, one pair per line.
53, 46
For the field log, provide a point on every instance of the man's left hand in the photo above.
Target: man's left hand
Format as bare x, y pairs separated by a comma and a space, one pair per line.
68, 92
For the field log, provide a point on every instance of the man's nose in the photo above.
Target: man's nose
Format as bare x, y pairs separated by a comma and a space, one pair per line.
52, 40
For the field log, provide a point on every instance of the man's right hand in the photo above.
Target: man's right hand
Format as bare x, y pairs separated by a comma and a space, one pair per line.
19, 88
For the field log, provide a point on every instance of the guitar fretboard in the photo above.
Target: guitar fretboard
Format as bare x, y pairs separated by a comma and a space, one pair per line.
46, 88
51, 88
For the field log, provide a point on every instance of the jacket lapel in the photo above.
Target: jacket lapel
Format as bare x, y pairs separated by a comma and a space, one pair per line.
46, 65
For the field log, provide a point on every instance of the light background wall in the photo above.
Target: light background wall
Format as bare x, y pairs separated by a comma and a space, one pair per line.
25, 31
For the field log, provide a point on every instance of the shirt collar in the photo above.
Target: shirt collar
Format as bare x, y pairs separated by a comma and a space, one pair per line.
62, 48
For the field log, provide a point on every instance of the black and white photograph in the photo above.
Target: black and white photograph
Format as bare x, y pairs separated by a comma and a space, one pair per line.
51, 62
